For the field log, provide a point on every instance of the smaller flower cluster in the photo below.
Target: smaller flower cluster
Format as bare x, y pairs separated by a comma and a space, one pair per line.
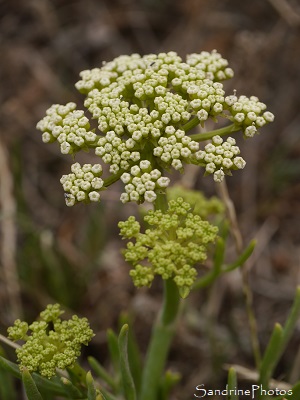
176, 241
249, 113
53, 343
68, 126
142, 183
174, 148
83, 184
207, 99
215, 66
117, 153
219, 157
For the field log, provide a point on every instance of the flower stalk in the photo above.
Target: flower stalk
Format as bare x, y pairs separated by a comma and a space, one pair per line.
161, 338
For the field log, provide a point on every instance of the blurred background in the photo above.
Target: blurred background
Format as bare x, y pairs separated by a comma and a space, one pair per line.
50, 253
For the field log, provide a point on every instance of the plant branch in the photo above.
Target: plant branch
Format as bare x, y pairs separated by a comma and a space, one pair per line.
226, 130
244, 270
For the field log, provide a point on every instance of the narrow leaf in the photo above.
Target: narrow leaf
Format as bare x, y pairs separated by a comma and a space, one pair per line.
209, 278
113, 348
71, 390
169, 381
242, 258
102, 373
30, 386
10, 367
127, 380
271, 354
292, 319
91, 387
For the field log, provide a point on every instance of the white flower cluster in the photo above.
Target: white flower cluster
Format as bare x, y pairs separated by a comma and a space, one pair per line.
161, 83
142, 183
213, 64
83, 184
175, 148
68, 126
144, 107
248, 112
219, 157
117, 153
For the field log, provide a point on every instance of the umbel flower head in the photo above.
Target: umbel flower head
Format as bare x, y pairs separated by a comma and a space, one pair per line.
50, 343
175, 243
145, 107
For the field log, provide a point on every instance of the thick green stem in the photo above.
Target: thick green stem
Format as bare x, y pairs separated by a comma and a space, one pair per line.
161, 338
162, 332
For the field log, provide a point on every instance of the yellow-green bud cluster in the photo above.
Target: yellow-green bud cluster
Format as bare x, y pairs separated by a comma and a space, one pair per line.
219, 157
51, 342
68, 126
142, 183
249, 113
175, 243
83, 184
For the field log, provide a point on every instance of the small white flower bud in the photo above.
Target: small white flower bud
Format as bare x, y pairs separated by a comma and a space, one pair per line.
177, 164
65, 148
124, 198
210, 168
163, 182
149, 185
155, 174
250, 131
150, 196
210, 148
80, 196
97, 183
145, 165
217, 140
134, 196
129, 188
219, 175
268, 116
125, 177
94, 196
227, 163
239, 162
202, 115
135, 170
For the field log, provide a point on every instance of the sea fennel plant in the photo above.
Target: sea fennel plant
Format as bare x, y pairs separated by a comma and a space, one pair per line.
147, 110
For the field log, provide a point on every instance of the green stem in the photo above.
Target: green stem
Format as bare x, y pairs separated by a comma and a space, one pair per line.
201, 137
162, 332
161, 338
191, 124
113, 178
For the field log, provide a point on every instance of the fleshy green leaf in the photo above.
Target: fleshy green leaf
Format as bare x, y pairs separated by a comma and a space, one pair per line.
113, 348
134, 356
92, 395
242, 258
30, 386
102, 373
127, 380
169, 381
